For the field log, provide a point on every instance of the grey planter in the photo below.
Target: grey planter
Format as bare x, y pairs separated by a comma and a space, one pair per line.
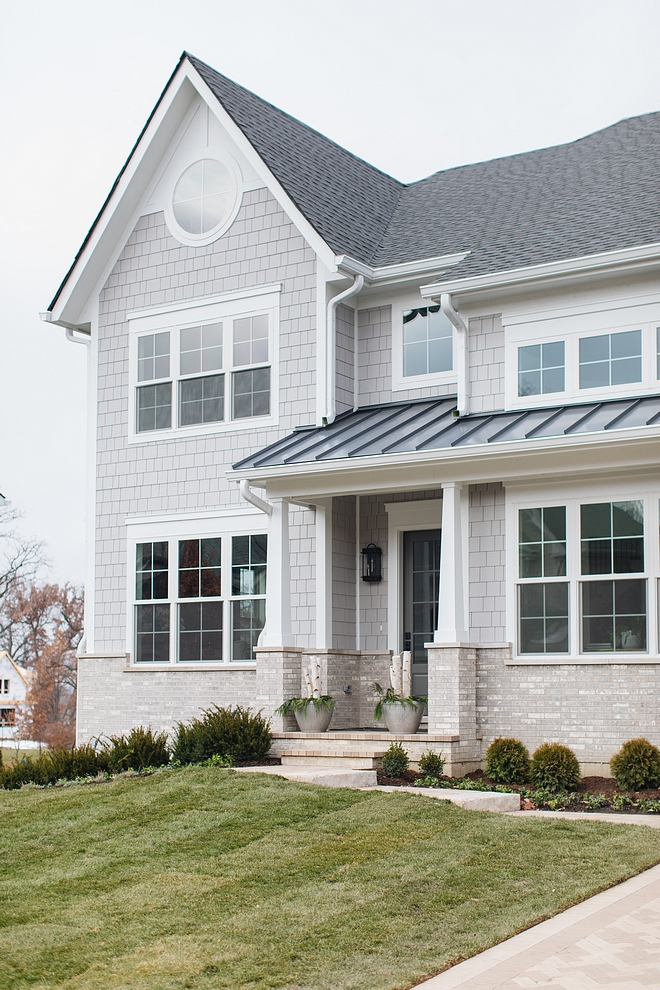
403, 718
312, 721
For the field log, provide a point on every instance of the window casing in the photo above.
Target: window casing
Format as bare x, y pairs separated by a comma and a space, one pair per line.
584, 581
211, 374
199, 600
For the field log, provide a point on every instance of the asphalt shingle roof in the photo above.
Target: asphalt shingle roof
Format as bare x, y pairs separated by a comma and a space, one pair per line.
430, 424
599, 193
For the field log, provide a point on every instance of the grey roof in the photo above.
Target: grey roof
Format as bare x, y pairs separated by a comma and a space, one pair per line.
599, 193
430, 424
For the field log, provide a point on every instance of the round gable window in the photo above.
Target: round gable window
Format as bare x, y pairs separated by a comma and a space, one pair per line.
204, 197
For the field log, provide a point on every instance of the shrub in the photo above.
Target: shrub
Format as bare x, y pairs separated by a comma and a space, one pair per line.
141, 748
636, 765
507, 761
51, 766
395, 760
235, 732
555, 767
431, 764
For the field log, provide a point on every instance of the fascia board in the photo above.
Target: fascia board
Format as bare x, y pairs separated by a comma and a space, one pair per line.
311, 235
481, 463
582, 267
123, 200
408, 269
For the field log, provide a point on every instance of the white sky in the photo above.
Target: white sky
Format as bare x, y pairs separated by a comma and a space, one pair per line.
413, 86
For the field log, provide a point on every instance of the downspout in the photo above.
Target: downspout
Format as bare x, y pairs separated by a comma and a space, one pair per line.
249, 496
331, 351
83, 339
462, 357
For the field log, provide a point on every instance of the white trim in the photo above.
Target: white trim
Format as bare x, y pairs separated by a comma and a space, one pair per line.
171, 319
200, 303
406, 269
404, 517
573, 496
200, 240
404, 384
580, 267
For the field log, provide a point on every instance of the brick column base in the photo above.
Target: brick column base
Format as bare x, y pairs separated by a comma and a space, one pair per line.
278, 679
453, 701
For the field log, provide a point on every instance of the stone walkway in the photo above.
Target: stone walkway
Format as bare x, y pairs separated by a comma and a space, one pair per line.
611, 940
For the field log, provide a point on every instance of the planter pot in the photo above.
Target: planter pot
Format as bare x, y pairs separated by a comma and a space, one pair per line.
312, 721
403, 718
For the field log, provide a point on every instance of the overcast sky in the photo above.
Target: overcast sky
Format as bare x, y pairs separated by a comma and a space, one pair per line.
413, 86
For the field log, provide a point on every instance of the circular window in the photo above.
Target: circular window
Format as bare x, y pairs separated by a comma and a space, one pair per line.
204, 196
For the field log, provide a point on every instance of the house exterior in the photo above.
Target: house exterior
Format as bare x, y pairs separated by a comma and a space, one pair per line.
14, 685
294, 357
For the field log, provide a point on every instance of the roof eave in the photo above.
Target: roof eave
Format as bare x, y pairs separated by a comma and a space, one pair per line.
586, 266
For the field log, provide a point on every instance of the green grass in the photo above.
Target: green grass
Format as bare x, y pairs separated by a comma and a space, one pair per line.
10, 754
210, 879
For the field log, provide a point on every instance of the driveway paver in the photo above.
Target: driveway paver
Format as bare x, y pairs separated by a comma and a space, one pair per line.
611, 940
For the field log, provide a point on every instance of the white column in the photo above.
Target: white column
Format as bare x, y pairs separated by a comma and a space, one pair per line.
277, 631
324, 574
452, 604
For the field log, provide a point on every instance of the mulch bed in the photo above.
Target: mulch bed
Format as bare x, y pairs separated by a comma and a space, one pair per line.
592, 785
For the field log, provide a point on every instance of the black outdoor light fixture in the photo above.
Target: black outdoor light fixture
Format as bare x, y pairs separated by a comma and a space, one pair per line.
372, 559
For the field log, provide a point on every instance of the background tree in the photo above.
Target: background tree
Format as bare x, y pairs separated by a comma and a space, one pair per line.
40, 627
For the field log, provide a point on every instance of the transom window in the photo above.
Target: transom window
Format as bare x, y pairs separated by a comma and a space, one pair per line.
196, 616
542, 542
427, 342
204, 196
611, 359
541, 368
207, 391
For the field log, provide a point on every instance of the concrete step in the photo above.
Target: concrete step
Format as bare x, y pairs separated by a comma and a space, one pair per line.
326, 776
355, 761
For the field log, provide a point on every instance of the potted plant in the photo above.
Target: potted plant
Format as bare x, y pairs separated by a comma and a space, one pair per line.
314, 712
401, 710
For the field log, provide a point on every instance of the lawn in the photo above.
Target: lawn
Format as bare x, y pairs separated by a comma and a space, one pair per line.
205, 878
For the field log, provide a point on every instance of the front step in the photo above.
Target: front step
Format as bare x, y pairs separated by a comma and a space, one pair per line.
345, 759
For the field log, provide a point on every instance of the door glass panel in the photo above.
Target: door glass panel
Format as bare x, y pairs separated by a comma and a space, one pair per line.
421, 576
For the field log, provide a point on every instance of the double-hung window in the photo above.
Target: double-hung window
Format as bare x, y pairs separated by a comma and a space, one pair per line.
427, 342
542, 594
152, 611
582, 579
207, 375
200, 600
613, 610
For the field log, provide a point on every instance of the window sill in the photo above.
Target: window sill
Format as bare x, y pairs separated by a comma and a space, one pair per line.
400, 384
183, 667
586, 659
204, 430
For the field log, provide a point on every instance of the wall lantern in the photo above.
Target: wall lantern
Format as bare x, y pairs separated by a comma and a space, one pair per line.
372, 559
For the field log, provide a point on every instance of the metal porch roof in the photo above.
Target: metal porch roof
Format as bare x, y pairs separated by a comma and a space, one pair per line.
430, 424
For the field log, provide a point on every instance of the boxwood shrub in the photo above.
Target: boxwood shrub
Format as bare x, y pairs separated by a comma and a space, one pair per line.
636, 765
395, 760
555, 767
507, 761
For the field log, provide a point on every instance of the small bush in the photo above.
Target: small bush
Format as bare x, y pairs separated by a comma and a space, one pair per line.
51, 766
555, 767
636, 765
595, 801
141, 748
235, 732
395, 760
431, 764
507, 761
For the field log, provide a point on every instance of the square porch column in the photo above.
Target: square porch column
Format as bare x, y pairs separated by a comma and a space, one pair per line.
452, 701
277, 630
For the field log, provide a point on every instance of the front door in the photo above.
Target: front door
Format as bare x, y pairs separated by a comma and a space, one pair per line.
421, 574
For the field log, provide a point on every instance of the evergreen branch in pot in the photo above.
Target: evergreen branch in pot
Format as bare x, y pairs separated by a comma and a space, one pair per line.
313, 713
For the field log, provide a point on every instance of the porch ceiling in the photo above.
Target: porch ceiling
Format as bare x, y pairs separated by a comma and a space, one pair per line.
427, 433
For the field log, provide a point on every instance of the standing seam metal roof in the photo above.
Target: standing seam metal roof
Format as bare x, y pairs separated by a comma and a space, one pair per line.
431, 424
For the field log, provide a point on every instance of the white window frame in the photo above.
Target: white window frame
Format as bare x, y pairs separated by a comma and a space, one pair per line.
199, 240
399, 382
572, 496
219, 309
219, 524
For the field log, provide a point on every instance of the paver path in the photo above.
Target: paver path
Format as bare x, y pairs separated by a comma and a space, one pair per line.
611, 940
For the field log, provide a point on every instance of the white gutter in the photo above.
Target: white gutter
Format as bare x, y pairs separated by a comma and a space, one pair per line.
407, 269
69, 328
462, 356
249, 496
331, 349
